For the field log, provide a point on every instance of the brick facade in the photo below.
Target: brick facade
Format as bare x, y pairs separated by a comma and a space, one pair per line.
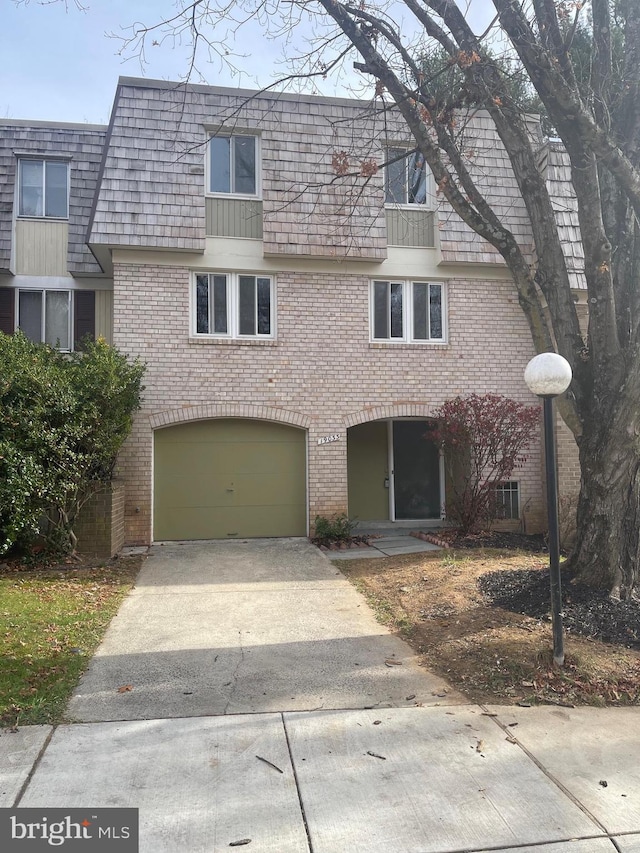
321, 373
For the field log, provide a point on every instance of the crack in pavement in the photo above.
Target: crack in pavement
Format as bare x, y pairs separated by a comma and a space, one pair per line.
234, 677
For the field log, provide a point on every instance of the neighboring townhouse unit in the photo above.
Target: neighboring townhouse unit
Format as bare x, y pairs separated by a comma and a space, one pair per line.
301, 312
51, 285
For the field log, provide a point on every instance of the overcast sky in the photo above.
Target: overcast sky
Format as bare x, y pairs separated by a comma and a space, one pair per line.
59, 64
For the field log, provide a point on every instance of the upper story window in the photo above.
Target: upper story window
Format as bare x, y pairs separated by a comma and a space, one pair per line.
403, 311
43, 188
231, 305
407, 177
233, 165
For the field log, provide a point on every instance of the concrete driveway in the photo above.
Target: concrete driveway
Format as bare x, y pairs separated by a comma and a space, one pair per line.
340, 759
247, 627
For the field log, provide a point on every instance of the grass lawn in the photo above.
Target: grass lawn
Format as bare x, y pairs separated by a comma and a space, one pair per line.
494, 653
51, 622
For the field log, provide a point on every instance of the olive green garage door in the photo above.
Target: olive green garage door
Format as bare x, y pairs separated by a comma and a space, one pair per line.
229, 478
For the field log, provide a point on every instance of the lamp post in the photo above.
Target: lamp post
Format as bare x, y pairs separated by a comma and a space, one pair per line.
549, 375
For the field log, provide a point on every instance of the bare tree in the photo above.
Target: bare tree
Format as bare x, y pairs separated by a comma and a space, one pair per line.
582, 61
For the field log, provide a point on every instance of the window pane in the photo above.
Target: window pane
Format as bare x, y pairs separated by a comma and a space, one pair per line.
56, 319
507, 500
220, 325
56, 191
30, 314
244, 165
31, 188
395, 189
435, 311
380, 311
202, 304
420, 327
417, 178
247, 299
219, 164
396, 311
264, 306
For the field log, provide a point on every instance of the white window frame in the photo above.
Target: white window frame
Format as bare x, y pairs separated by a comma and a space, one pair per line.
233, 306
258, 177
408, 312
44, 160
429, 202
507, 488
43, 291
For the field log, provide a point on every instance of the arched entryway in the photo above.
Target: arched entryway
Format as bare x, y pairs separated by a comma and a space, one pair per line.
229, 478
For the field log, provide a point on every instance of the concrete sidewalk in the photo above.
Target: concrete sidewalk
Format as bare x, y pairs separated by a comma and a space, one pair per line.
400, 777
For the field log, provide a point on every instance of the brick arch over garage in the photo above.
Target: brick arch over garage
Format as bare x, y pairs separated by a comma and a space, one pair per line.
209, 411
382, 413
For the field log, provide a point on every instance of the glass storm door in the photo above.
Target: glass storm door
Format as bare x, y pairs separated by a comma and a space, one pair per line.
416, 472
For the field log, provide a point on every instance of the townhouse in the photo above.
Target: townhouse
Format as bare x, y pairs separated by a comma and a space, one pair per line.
302, 311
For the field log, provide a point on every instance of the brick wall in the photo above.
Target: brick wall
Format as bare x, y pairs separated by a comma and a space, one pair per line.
100, 526
322, 370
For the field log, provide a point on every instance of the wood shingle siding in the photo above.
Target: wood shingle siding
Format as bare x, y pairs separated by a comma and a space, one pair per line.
555, 165
83, 144
153, 188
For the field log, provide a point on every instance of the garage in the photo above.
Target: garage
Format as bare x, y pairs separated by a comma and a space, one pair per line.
229, 478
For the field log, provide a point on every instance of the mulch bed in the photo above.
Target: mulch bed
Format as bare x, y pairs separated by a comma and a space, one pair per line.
494, 539
586, 611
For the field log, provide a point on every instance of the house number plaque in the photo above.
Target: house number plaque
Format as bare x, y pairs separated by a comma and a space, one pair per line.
327, 439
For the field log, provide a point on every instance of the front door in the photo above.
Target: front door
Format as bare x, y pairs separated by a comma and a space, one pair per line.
416, 472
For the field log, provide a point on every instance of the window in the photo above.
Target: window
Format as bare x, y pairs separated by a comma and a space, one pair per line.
406, 177
507, 500
233, 305
233, 165
43, 188
407, 311
45, 316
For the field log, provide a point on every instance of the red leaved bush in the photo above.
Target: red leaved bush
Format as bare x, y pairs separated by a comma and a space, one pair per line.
483, 438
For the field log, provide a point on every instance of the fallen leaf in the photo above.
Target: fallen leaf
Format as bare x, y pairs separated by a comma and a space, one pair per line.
480, 746
377, 722
409, 698
240, 843
604, 783
375, 755
392, 662
126, 688
511, 739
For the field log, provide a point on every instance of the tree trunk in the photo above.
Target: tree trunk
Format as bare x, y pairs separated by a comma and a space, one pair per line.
607, 552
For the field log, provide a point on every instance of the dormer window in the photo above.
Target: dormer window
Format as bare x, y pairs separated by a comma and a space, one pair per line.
43, 188
407, 177
233, 165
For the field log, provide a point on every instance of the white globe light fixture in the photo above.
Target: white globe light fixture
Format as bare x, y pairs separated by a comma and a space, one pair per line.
549, 375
